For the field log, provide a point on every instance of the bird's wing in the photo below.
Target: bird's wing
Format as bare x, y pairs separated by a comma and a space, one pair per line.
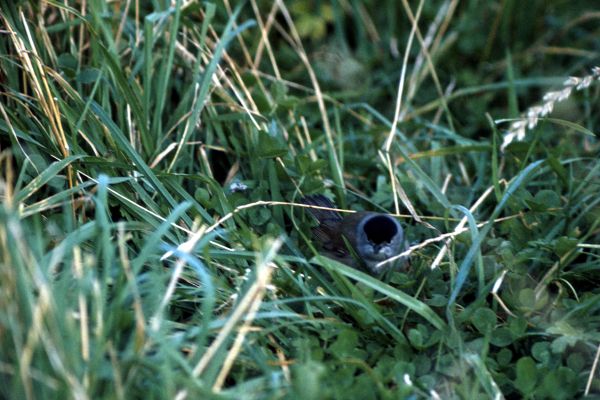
327, 232
327, 218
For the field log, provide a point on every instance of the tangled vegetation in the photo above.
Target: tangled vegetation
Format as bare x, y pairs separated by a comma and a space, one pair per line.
153, 158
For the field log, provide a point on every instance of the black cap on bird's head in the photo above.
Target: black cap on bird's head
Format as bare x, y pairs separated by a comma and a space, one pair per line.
378, 237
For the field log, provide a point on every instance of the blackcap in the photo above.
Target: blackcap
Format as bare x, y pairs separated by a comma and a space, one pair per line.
363, 239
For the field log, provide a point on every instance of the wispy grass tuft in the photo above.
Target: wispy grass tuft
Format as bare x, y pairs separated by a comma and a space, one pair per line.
532, 116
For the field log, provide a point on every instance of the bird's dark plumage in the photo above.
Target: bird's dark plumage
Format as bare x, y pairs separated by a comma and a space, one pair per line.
372, 237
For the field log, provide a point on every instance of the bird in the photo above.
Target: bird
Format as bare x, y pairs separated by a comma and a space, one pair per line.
361, 240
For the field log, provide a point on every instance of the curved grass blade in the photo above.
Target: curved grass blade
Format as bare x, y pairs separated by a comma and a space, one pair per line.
475, 247
126, 147
209, 300
474, 234
410, 302
44, 177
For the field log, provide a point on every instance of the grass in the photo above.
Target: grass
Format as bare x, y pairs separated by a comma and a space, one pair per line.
152, 244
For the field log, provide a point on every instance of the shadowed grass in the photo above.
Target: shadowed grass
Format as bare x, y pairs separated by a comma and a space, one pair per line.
154, 153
